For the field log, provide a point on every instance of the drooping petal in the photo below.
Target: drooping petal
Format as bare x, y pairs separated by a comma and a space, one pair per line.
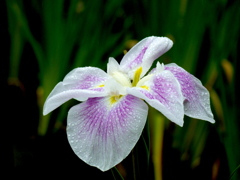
80, 84
143, 54
162, 91
197, 101
103, 131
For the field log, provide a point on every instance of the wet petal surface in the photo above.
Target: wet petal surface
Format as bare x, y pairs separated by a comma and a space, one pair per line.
80, 84
162, 91
197, 101
144, 53
103, 131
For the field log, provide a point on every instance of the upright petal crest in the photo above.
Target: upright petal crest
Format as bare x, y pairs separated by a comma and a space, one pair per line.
143, 54
102, 133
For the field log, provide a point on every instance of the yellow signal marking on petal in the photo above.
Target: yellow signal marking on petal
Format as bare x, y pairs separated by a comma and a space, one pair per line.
114, 99
136, 76
145, 87
102, 85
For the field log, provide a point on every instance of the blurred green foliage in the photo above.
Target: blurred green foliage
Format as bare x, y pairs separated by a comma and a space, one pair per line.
77, 33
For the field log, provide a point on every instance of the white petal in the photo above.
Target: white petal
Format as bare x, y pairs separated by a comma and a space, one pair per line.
112, 66
162, 91
144, 53
114, 71
197, 101
80, 84
102, 133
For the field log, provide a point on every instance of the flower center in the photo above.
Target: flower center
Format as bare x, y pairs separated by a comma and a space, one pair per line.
121, 78
114, 99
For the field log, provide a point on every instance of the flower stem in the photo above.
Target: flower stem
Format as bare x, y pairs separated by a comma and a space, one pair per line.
134, 166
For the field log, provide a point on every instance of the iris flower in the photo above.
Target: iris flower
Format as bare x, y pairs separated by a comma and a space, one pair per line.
104, 128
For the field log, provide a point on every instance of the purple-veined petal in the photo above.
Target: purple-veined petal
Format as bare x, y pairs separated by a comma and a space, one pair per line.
102, 133
80, 84
143, 54
162, 91
197, 101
